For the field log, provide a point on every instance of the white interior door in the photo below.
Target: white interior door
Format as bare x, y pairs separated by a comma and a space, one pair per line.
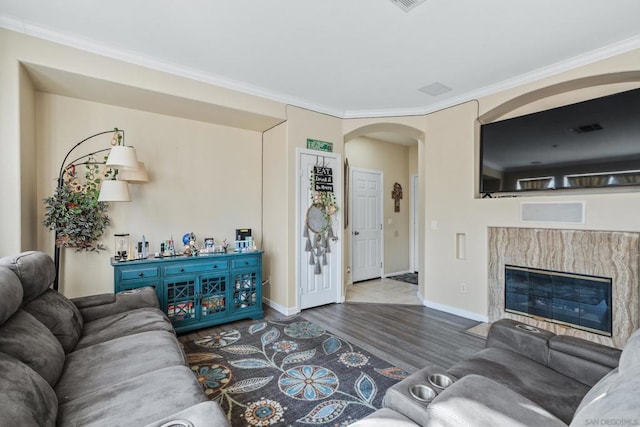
366, 225
320, 278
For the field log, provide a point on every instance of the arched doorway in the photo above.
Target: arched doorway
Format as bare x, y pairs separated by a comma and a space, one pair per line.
382, 157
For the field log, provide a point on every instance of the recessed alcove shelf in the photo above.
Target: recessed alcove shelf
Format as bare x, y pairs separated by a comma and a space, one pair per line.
599, 253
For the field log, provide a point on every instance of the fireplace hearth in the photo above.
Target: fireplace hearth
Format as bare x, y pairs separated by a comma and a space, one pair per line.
576, 300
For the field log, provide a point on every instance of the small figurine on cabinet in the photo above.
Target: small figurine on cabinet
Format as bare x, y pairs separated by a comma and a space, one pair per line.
189, 240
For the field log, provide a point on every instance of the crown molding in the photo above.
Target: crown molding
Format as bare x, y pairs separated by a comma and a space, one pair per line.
591, 57
90, 46
93, 47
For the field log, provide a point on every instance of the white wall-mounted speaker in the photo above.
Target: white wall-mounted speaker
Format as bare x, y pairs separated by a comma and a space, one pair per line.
565, 212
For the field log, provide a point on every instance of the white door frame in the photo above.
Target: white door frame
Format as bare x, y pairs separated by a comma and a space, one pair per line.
381, 215
413, 223
339, 232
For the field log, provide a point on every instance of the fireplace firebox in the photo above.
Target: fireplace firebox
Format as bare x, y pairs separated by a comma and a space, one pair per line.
577, 300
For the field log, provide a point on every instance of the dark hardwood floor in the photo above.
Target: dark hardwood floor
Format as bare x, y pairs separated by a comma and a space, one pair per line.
409, 336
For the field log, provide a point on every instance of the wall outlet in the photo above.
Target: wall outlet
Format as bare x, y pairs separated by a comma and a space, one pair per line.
463, 288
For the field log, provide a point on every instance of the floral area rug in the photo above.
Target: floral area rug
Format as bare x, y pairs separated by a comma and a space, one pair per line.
288, 373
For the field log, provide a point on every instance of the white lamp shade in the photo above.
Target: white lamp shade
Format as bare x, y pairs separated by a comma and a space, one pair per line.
122, 156
135, 176
114, 191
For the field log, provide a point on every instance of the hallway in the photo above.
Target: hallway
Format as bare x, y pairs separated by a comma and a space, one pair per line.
383, 291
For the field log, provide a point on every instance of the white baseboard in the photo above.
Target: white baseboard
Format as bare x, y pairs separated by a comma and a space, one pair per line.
453, 310
287, 311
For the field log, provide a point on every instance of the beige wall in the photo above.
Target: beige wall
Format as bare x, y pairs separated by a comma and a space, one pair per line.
101, 77
28, 180
451, 162
394, 163
10, 153
185, 198
276, 262
204, 178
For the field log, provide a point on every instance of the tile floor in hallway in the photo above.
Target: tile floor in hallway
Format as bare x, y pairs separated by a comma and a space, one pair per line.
383, 291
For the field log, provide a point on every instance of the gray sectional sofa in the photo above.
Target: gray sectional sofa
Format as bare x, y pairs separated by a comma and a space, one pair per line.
104, 360
525, 377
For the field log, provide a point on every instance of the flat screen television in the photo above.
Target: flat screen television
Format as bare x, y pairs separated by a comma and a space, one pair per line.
590, 144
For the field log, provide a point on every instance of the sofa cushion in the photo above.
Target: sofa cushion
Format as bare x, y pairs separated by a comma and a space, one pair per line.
58, 314
10, 294
614, 399
26, 339
553, 391
26, 398
600, 389
94, 307
581, 360
122, 324
136, 401
479, 401
117, 360
630, 358
34, 269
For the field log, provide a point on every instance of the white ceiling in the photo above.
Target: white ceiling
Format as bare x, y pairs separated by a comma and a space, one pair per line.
348, 58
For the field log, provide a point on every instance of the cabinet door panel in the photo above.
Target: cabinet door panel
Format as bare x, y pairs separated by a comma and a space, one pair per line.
213, 298
181, 299
245, 290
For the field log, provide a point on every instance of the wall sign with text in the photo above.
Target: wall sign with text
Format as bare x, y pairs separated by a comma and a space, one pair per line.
323, 179
315, 144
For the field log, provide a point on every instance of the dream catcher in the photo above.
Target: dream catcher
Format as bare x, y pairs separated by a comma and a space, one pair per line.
318, 230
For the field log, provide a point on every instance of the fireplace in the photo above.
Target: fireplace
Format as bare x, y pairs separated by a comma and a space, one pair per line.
576, 300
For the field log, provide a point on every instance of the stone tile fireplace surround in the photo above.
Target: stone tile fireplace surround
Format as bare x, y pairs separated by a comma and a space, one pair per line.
599, 253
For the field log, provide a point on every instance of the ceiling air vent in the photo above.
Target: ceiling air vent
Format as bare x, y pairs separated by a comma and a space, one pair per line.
587, 128
435, 89
407, 5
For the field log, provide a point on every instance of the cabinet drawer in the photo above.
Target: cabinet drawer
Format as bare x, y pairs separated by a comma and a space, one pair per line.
245, 262
139, 273
196, 268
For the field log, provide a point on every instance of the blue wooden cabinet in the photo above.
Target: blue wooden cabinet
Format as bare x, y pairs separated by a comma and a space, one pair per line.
199, 291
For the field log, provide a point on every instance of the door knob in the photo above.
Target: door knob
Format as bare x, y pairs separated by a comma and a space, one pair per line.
356, 233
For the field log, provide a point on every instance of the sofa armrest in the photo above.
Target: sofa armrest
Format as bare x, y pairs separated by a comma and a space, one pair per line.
516, 337
478, 401
97, 306
204, 414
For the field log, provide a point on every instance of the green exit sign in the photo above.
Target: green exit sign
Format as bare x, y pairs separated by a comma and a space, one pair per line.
318, 145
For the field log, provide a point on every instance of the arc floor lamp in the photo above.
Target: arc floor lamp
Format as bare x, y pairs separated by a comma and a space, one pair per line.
121, 158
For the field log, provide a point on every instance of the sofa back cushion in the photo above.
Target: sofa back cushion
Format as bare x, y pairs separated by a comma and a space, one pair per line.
35, 270
582, 360
630, 357
615, 397
60, 315
27, 399
10, 294
24, 338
